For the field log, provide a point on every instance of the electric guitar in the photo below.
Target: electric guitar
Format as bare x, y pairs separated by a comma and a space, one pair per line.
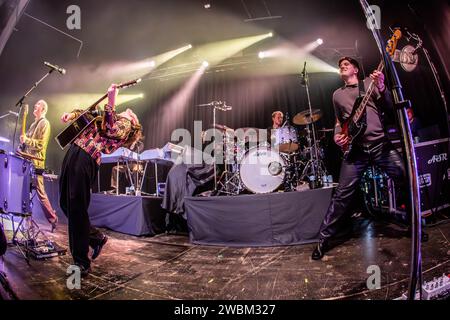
22, 147
356, 124
77, 126
24, 124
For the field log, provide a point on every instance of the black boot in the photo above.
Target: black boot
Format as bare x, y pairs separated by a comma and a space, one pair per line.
320, 249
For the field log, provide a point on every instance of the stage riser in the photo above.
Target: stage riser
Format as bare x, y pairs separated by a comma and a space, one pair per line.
257, 220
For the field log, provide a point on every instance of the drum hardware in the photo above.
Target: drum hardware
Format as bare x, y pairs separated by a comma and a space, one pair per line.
286, 139
379, 192
314, 169
222, 106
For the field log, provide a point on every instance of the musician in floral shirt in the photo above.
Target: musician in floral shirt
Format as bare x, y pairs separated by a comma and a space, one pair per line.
79, 171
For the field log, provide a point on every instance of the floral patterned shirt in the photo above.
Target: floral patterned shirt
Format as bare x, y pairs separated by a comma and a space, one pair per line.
95, 140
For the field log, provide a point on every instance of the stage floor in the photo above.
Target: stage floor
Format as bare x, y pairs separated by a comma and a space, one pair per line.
169, 267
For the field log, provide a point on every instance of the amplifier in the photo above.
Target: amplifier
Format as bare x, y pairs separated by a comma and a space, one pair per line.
434, 175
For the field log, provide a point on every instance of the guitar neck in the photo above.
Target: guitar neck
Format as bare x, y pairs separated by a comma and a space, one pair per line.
362, 106
120, 86
24, 120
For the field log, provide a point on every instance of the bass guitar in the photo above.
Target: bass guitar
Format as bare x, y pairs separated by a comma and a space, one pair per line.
355, 125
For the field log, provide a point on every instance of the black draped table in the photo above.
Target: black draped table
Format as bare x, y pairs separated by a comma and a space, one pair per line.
257, 220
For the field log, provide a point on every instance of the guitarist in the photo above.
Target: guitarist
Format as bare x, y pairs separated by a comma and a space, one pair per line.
35, 143
79, 170
370, 147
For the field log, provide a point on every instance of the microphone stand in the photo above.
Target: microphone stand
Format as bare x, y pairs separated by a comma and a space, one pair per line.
19, 103
408, 145
313, 153
434, 71
217, 105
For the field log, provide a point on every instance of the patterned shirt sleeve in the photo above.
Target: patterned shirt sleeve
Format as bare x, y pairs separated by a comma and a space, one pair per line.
115, 128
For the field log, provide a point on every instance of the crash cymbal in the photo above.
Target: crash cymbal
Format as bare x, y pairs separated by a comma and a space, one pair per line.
222, 127
305, 117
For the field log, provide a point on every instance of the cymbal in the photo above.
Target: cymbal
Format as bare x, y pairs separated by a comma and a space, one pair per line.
222, 127
305, 117
3, 139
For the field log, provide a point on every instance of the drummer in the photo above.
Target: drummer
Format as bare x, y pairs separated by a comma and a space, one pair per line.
277, 123
277, 120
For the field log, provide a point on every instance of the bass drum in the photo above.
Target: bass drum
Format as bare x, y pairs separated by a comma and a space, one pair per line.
262, 170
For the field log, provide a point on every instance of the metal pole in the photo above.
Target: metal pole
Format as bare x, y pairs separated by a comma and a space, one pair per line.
410, 157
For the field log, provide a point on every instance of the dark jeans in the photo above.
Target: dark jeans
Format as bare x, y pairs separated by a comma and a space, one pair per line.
78, 173
381, 154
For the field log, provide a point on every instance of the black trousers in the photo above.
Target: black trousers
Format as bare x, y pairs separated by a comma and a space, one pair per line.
78, 173
381, 154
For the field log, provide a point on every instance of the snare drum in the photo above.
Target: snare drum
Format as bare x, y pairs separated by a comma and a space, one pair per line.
262, 170
286, 139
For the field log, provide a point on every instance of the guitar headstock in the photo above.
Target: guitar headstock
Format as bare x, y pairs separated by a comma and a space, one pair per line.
392, 42
129, 83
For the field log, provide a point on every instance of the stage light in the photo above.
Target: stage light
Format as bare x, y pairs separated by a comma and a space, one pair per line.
319, 41
270, 34
207, 5
189, 46
216, 52
261, 55
150, 64
205, 64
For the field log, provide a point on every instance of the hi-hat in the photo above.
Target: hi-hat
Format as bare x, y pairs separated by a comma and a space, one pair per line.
306, 117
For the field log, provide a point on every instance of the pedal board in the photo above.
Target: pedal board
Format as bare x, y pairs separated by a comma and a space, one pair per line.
45, 250
436, 289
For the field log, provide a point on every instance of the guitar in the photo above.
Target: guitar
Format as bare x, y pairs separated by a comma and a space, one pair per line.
355, 124
77, 126
21, 149
24, 125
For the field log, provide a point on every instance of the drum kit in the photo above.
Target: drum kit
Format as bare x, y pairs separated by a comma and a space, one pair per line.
260, 162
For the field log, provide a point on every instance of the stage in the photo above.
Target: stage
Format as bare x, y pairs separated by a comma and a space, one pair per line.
169, 267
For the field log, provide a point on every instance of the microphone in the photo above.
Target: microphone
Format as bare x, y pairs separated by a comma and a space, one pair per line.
13, 113
55, 67
303, 79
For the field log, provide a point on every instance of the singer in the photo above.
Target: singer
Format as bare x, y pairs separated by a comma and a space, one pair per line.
35, 143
